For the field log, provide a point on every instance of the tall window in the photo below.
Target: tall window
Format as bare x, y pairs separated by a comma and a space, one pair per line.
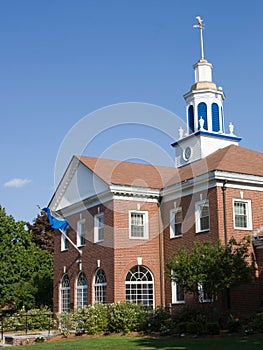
202, 216
64, 241
138, 221
191, 123
99, 228
202, 112
100, 285
176, 222
242, 214
81, 291
81, 231
65, 294
215, 117
139, 286
204, 295
177, 292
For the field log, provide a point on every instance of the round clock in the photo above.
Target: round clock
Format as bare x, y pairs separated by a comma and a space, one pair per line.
187, 153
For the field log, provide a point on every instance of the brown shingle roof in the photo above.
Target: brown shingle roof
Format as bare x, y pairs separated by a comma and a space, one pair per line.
128, 173
230, 159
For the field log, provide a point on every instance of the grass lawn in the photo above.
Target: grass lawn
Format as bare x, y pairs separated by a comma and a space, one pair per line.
145, 343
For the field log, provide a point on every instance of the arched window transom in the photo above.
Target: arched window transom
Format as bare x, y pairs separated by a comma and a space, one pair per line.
81, 291
100, 285
65, 294
139, 286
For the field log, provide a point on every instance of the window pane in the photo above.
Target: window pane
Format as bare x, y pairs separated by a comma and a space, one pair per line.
137, 225
241, 216
139, 286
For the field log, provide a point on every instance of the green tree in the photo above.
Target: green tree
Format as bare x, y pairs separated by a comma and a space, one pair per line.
26, 270
214, 266
42, 233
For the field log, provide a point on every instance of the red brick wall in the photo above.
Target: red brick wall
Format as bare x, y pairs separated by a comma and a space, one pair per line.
118, 253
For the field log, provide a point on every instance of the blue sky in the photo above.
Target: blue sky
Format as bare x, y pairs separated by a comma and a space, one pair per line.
61, 60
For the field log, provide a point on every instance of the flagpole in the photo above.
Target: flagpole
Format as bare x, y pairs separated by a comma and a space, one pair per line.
63, 233
70, 241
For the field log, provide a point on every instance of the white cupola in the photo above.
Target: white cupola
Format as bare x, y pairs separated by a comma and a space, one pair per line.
205, 132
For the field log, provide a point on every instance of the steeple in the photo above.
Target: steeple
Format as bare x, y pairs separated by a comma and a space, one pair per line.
204, 112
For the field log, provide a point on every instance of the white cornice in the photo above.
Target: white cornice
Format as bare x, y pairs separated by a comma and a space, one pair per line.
135, 191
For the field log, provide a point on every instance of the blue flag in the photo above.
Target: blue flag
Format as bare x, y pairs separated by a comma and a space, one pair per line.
54, 222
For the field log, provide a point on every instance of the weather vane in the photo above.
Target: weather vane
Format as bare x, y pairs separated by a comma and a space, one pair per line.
200, 25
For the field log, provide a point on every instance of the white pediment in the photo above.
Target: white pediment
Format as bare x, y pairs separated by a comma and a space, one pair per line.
78, 184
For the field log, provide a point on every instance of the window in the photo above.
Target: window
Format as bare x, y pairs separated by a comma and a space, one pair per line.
138, 224
81, 291
202, 113
215, 117
177, 292
191, 125
139, 286
100, 285
81, 231
176, 223
65, 294
99, 228
202, 216
204, 295
242, 214
64, 241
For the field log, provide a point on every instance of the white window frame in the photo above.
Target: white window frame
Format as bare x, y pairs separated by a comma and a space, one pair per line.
100, 287
65, 293
247, 203
80, 234
174, 287
198, 206
81, 291
98, 228
201, 294
173, 214
64, 242
139, 286
145, 224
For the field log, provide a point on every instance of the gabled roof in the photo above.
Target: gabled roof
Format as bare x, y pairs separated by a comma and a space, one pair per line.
234, 159
115, 172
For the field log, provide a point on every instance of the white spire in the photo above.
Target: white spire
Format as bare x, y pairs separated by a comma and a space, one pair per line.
200, 25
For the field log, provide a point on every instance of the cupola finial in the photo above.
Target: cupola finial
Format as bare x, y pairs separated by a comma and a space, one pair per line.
200, 25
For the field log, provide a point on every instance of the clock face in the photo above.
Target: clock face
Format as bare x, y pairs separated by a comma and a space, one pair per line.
187, 153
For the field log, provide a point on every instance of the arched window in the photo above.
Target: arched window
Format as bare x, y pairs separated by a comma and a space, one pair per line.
81, 290
191, 123
202, 112
100, 285
65, 294
139, 286
215, 117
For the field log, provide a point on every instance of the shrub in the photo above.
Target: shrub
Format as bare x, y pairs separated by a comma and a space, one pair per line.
213, 328
66, 323
234, 326
123, 317
158, 319
32, 319
92, 319
255, 324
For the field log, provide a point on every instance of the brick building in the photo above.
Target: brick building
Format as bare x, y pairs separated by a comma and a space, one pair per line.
127, 218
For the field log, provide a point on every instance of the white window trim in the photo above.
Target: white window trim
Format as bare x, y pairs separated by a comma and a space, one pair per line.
249, 214
96, 228
174, 286
201, 295
63, 240
82, 288
146, 224
172, 214
197, 216
79, 223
